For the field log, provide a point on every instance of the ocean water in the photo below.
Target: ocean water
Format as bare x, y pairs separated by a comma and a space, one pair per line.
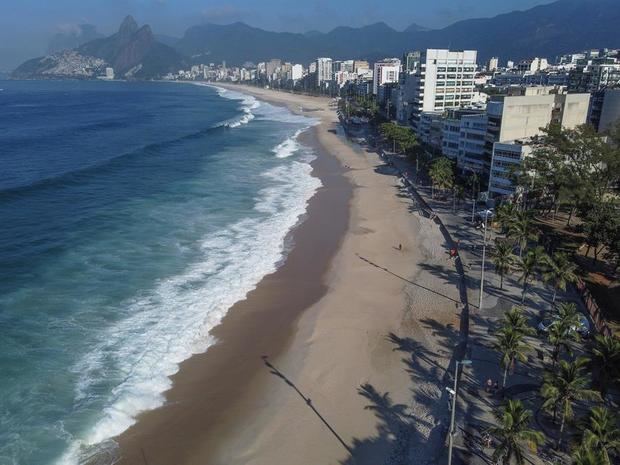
132, 217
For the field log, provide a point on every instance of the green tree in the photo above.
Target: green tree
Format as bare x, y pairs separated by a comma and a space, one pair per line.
529, 265
560, 271
442, 173
512, 432
522, 230
506, 214
509, 342
600, 432
588, 456
562, 388
606, 361
600, 224
563, 330
515, 320
503, 259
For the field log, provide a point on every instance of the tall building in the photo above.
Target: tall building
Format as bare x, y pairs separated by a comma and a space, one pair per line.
324, 70
272, 66
297, 72
605, 109
360, 66
444, 80
385, 71
411, 61
514, 120
493, 64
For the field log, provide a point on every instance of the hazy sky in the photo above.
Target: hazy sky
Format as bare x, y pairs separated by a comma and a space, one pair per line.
27, 25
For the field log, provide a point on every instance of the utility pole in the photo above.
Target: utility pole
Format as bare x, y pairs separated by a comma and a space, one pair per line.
454, 393
484, 252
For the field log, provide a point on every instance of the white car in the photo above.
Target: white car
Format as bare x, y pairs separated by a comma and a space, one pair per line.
583, 328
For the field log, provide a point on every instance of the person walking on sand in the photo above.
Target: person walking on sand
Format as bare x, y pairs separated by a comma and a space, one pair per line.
400, 247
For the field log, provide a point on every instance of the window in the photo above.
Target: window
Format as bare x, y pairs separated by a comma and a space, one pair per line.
441, 76
441, 70
451, 76
452, 70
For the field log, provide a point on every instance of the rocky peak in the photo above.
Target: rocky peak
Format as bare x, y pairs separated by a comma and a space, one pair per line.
128, 27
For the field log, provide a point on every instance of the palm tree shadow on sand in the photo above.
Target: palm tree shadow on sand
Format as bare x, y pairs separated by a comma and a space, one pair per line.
395, 428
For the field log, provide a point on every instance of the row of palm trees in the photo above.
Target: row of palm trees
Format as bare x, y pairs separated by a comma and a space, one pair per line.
557, 270
564, 385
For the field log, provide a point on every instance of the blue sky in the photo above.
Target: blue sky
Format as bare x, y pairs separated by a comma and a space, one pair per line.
27, 25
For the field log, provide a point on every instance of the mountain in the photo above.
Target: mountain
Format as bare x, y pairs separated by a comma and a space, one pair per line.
133, 52
546, 30
413, 27
72, 38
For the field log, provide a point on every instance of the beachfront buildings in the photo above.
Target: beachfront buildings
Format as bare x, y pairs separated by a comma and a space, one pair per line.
443, 80
515, 119
324, 71
386, 71
605, 109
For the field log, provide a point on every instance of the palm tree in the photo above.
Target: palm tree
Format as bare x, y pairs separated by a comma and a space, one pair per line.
503, 258
562, 388
509, 342
606, 361
601, 433
529, 265
585, 456
514, 320
560, 272
506, 213
442, 173
521, 229
512, 432
564, 329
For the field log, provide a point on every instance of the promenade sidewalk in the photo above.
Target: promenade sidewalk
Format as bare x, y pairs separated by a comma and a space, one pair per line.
475, 406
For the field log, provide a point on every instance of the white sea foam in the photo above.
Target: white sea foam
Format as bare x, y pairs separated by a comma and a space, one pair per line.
248, 103
172, 322
289, 147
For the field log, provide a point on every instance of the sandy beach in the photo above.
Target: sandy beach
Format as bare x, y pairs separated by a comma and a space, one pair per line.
339, 357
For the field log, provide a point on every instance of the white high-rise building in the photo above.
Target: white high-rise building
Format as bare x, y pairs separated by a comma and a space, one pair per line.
444, 80
385, 71
296, 72
493, 64
324, 70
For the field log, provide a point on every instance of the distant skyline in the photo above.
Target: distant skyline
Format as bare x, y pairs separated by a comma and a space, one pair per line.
27, 25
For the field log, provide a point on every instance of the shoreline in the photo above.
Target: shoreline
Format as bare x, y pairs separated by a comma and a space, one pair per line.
342, 323
265, 301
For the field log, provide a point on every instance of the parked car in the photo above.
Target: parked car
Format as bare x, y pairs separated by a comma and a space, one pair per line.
583, 328
489, 213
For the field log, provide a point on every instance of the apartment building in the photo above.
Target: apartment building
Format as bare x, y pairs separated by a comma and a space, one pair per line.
444, 80
324, 70
386, 71
507, 158
513, 120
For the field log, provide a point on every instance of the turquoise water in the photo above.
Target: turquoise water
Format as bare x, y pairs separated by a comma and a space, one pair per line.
133, 216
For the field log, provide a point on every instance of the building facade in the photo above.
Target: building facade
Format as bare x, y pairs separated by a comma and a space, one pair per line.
385, 72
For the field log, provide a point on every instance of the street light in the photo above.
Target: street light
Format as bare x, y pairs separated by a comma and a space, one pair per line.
484, 253
454, 392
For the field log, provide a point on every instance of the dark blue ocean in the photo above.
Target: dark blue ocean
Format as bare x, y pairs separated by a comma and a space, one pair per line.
132, 217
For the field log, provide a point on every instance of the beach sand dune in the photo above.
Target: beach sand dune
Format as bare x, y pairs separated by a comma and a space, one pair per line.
340, 357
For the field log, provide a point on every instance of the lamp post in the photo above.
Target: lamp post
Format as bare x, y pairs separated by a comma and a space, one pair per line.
484, 253
454, 394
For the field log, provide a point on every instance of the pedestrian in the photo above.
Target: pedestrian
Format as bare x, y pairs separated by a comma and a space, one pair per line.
400, 247
489, 385
495, 388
